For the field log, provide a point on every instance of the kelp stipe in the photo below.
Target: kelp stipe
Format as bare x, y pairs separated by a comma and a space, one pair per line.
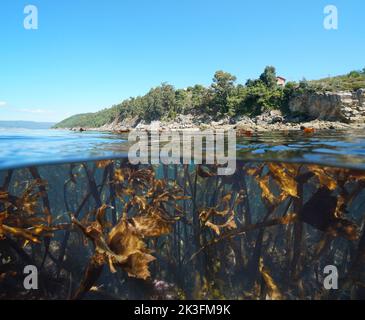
111, 230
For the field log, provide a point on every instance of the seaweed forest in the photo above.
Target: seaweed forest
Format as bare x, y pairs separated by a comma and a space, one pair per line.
110, 230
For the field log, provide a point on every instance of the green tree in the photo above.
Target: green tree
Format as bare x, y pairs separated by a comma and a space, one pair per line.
252, 83
159, 103
288, 92
268, 77
304, 85
183, 101
222, 86
200, 98
354, 74
236, 100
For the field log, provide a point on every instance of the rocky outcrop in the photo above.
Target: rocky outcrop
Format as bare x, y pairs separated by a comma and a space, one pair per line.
121, 124
347, 107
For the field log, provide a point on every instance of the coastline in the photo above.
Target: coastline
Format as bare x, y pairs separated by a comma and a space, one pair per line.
243, 126
308, 110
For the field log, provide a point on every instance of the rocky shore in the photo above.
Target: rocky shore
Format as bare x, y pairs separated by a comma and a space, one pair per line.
309, 111
242, 125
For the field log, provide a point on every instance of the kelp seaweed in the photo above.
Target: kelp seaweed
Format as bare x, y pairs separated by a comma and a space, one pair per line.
108, 229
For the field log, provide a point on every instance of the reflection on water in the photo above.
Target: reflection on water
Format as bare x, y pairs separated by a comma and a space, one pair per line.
28, 147
109, 230
31, 147
337, 148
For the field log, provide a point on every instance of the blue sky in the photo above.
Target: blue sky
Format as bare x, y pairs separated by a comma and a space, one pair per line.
89, 54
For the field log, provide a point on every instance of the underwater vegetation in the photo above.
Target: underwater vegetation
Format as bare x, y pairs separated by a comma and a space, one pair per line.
111, 230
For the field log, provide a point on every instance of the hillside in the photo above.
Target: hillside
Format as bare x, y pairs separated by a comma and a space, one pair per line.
351, 82
223, 98
26, 124
89, 120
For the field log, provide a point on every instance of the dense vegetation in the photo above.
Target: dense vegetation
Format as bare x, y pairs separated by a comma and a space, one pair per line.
351, 82
222, 98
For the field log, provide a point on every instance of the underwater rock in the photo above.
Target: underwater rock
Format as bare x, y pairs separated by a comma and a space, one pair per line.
320, 211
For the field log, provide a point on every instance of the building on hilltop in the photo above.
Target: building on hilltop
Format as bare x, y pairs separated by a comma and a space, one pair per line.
280, 81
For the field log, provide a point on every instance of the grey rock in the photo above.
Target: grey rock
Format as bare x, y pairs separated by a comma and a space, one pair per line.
330, 106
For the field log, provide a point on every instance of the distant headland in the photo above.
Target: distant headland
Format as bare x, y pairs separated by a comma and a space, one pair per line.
19, 124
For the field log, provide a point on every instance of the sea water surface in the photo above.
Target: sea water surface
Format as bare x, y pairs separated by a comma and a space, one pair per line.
24, 147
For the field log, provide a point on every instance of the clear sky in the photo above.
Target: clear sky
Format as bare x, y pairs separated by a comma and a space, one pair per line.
89, 54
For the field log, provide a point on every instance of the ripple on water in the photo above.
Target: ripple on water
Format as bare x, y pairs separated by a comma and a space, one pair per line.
30, 147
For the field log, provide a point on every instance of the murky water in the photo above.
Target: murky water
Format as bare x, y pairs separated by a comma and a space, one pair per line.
109, 230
